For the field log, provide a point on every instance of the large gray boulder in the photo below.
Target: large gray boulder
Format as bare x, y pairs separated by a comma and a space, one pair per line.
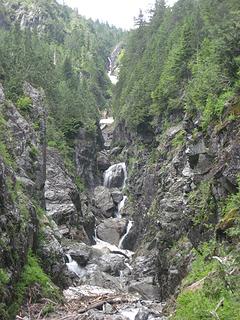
111, 230
103, 201
61, 194
145, 288
103, 162
117, 195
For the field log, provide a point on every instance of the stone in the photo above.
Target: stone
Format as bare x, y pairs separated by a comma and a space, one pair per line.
112, 263
103, 162
86, 147
116, 195
2, 96
115, 176
142, 315
145, 288
103, 201
62, 197
111, 230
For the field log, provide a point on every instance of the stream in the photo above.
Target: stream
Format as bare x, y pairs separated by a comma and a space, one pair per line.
110, 273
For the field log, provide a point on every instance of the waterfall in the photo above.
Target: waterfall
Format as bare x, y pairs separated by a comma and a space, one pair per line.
73, 266
121, 206
129, 226
115, 176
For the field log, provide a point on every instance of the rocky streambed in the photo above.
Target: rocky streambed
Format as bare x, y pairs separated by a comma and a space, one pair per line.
108, 281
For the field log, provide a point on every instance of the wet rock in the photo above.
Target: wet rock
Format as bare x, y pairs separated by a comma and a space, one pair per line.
103, 161
103, 201
142, 315
117, 195
112, 263
145, 288
111, 230
115, 176
95, 277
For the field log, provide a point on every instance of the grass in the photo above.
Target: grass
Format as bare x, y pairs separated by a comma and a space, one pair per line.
33, 275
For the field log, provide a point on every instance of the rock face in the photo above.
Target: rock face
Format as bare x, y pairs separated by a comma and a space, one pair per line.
103, 162
111, 230
61, 194
22, 177
163, 214
87, 146
115, 176
103, 202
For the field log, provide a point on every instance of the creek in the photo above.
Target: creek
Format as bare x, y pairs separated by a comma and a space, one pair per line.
109, 269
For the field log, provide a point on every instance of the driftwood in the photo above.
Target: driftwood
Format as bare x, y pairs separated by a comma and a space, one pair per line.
96, 305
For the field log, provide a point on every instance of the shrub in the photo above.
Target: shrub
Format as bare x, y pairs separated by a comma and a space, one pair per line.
32, 275
24, 103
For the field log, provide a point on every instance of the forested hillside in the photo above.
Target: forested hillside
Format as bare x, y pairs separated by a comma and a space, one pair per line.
177, 104
186, 59
135, 216
54, 48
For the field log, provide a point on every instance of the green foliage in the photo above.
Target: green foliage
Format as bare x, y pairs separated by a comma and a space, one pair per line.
66, 55
202, 201
218, 284
24, 104
185, 59
4, 279
32, 275
178, 140
80, 184
4, 152
34, 152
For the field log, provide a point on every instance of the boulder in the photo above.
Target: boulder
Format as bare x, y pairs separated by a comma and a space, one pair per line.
111, 230
86, 147
103, 161
116, 195
103, 201
112, 263
115, 176
61, 194
145, 288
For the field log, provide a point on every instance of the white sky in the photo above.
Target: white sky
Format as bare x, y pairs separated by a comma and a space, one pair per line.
116, 12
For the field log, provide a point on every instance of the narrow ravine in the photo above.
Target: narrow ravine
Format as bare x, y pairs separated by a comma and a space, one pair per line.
104, 271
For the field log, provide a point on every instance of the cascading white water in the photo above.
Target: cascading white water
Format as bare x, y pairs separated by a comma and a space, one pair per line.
73, 266
111, 75
129, 226
113, 172
121, 206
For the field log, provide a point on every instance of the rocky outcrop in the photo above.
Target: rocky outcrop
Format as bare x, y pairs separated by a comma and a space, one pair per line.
63, 203
111, 230
87, 145
103, 202
22, 177
164, 178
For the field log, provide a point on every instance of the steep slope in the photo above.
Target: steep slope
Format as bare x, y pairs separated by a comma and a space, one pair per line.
178, 108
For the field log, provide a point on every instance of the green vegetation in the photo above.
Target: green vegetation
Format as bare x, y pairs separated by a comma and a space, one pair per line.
215, 271
186, 59
202, 201
178, 140
217, 287
33, 275
63, 53
24, 104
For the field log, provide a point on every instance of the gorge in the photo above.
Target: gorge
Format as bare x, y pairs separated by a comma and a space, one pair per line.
120, 163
